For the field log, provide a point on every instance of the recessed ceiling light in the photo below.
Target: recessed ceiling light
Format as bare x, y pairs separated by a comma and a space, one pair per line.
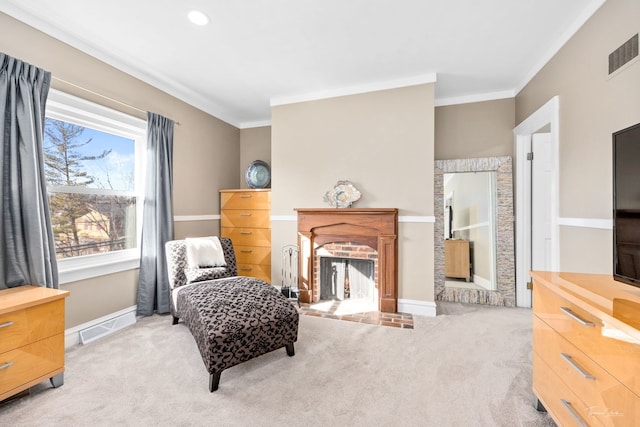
198, 17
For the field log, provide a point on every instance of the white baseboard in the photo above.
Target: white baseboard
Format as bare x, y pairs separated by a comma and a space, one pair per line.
72, 335
417, 307
481, 281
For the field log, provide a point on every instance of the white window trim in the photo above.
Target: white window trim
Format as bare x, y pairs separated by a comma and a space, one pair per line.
68, 108
90, 266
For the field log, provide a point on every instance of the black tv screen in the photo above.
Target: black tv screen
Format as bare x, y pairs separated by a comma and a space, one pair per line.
626, 205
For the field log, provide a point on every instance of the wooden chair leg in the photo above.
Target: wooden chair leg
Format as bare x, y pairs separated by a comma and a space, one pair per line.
214, 381
290, 350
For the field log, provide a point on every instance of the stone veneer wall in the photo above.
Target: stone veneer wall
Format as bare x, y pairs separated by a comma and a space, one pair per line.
342, 250
505, 249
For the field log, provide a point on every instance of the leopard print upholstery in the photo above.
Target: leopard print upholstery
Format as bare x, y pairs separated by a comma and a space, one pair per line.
236, 319
176, 255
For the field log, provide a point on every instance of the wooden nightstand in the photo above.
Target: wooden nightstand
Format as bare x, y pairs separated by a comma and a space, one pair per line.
31, 338
456, 259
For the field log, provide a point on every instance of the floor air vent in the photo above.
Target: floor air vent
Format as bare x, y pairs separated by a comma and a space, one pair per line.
107, 327
623, 54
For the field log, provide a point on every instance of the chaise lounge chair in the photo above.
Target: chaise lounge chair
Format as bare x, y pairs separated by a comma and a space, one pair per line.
232, 318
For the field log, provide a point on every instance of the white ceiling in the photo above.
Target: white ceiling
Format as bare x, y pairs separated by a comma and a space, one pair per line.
258, 53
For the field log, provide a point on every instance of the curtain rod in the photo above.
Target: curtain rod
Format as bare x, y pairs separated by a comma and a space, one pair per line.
105, 97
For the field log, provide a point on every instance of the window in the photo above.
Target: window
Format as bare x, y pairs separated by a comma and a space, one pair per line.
94, 168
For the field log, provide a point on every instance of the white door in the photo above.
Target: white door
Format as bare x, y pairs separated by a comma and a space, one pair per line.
544, 211
541, 190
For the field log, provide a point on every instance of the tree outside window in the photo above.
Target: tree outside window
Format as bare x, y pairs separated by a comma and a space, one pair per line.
91, 184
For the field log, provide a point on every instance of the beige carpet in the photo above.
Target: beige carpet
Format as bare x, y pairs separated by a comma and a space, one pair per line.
469, 366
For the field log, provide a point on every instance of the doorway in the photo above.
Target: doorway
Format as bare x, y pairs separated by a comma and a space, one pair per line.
537, 184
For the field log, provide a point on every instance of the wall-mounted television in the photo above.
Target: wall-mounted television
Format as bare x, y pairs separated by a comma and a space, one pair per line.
626, 205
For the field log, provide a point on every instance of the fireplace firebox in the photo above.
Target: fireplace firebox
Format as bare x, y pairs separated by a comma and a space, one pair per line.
345, 279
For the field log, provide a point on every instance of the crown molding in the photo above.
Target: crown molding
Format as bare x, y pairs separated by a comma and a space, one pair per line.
140, 71
257, 124
354, 90
479, 97
588, 12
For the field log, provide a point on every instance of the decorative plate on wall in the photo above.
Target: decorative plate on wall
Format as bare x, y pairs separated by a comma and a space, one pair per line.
258, 174
342, 195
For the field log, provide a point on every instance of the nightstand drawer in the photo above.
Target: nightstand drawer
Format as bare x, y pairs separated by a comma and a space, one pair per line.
31, 324
245, 199
245, 218
253, 255
607, 399
32, 362
588, 334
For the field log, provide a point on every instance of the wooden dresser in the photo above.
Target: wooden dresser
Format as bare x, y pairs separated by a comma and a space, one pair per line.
586, 349
456, 259
31, 338
245, 218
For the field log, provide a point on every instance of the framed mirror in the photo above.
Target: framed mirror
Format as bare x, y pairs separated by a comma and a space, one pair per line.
474, 216
470, 230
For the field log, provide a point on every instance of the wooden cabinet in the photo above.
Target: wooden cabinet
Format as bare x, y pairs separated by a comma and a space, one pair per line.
245, 218
456, 259
586, 345
31, 338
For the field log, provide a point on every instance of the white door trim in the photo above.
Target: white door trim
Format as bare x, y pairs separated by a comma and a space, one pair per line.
548, 114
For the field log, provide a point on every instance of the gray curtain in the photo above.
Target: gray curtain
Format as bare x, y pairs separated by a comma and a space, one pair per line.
26, 238
157, 217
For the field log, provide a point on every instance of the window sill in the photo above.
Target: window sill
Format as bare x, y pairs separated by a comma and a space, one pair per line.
88, 267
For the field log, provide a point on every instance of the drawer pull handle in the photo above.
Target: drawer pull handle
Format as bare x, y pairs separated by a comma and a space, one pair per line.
245, 232
6, 365
245, 268
6, 324
246, 251
575, 366
245, 196
573, 413
575, 317
245, 214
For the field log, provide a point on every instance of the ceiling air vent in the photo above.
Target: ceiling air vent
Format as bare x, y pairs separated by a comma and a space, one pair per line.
623, 54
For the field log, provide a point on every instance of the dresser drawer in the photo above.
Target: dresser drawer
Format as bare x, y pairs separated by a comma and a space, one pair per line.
253, 255
248, 236
262, 272
245, 218
33, 362
563, 405
607, 399
245, 200
592, 338
31, 324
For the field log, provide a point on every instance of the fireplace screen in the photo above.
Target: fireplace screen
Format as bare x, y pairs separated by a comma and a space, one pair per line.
347, 279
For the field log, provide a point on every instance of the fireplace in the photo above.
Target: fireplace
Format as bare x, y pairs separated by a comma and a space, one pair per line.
371, 231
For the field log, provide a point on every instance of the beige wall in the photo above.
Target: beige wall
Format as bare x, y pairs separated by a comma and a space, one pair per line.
206, 150
381, 141
592, 107
478, 129
255, 144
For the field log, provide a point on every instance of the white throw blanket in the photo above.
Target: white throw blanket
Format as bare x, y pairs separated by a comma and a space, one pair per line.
204, 252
